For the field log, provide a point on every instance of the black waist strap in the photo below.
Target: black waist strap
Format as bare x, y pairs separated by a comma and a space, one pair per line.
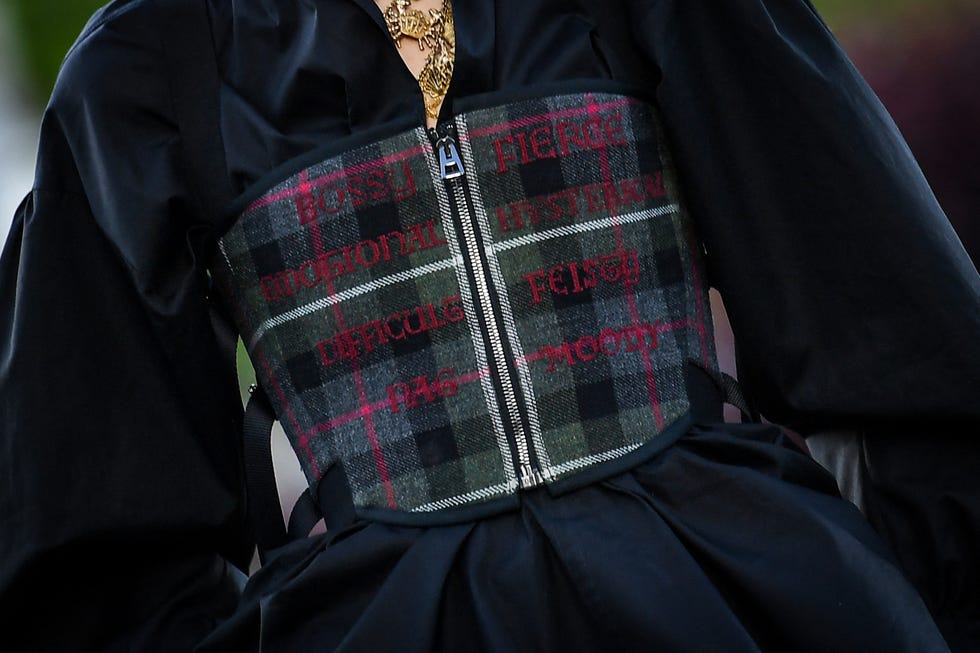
264, 512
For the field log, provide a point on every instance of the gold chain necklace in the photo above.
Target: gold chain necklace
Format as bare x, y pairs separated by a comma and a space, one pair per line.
434, 31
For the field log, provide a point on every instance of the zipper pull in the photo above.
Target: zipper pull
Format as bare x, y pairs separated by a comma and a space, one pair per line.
530, 477
450, 163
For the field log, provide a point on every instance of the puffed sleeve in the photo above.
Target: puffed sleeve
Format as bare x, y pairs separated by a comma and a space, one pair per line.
854, 306
120, 465
851, 298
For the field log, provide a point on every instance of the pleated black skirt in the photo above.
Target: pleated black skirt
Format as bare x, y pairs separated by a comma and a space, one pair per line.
731, 540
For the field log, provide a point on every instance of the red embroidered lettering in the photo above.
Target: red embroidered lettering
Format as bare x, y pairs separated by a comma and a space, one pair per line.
575, 277
631, 191
522, 141
270, 288
338, 196
446, 384
403, 248
285, 281
541, 143
502, 158
355, 188
555, 355
609, 197
585, 348
383, 244
592, 133
532, 279
433, 320
337, 268
593, 202
434, 238
611, 267
532, 212
398, 394
610, 342
374, 253
338, 262
411, 329
572, 202
592, 129
631, 267
407, 189
416, 237
590, 270
375, 183
378, 185
655, 185
554, 210
372, 333
452, 309
325, 357
306, 208
634, 338
555, 280
364, 338
614, 129
346, 345
421, 390
568, 133
309, 274
397, 318
607, 336
505, 217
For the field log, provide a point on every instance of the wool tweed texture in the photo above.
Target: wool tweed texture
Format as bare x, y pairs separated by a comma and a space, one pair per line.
377, 302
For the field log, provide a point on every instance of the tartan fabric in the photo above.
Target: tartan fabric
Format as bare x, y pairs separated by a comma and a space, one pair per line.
353, 296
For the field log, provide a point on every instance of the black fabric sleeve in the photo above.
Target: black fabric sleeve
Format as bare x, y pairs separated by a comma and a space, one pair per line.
120, 465
854, 306
850, 296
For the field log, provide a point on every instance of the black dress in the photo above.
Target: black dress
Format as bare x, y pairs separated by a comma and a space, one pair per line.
852, 301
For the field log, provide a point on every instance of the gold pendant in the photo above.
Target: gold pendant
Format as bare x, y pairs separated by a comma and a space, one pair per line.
414, 24
403, 21
435, 31
436, 75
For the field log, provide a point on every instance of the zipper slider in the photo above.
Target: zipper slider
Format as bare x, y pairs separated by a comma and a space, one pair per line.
530, 477
450, 163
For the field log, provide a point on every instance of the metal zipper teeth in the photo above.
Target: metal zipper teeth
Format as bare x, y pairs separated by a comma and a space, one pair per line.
528, 474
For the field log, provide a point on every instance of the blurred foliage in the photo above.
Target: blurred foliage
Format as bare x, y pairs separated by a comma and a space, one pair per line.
46, 28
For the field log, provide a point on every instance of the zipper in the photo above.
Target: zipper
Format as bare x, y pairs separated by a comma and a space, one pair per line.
453, 175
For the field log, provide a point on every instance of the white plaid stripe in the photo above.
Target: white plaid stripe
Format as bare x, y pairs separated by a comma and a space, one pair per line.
584, 227
350, 293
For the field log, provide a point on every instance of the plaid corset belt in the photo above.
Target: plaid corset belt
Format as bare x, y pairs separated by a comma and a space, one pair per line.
448, 317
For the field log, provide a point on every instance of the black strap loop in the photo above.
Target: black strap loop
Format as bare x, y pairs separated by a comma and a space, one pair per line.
703, 393
264, 511
735, 397
335, 499
304, 516
707, 391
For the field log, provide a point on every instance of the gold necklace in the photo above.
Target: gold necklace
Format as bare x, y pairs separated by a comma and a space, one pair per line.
435, 31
